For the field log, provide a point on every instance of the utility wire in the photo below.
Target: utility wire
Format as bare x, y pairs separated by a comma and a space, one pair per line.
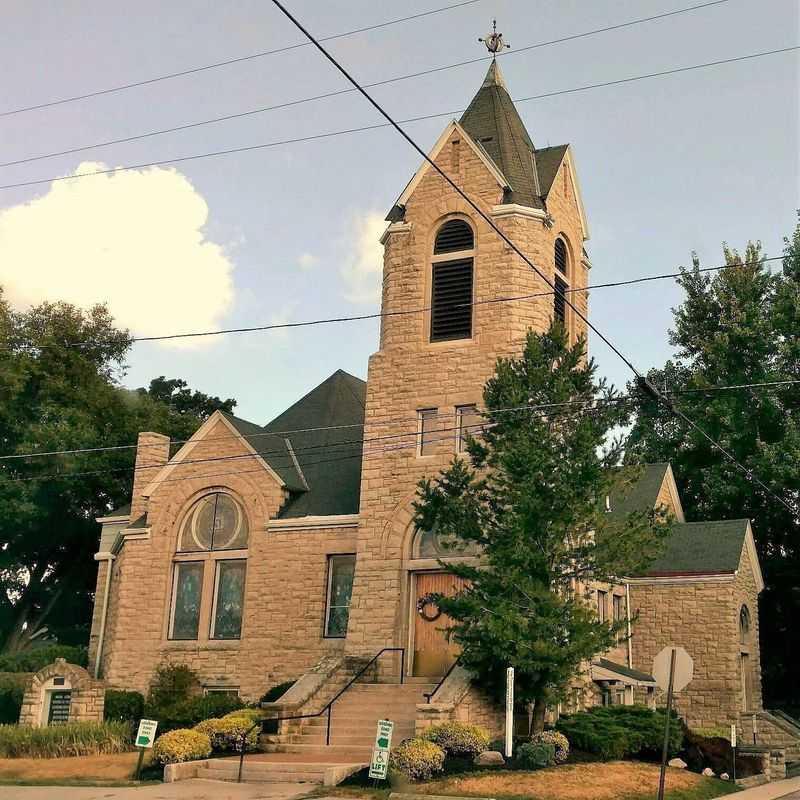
380, 125
228, 62
538, 407
642, 381
335, 93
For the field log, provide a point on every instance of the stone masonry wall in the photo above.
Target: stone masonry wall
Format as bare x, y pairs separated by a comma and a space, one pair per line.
87, 695
410, 373
702, 617
284, 603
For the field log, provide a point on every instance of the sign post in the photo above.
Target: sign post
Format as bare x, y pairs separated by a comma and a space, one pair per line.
379, 766
145, 737
673, 669
509, 711
733, 751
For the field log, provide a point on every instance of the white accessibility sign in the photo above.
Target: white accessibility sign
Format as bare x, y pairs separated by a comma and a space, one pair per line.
379, 766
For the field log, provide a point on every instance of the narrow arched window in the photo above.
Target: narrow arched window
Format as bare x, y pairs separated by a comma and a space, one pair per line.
451, 282
209, 570
744, 626
560, 284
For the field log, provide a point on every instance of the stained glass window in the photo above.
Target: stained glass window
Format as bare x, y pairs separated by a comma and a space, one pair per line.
186, 593
340, 589
216, 522
433, 544
228, 599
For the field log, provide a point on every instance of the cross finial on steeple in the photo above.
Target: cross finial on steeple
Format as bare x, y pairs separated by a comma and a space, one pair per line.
494, 41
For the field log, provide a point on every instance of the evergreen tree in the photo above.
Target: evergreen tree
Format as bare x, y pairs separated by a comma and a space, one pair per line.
533, 498
741, 326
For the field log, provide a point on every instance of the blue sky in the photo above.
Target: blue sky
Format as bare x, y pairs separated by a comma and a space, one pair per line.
666, 166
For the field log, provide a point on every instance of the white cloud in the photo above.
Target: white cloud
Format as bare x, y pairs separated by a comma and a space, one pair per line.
133, 240
363, 262
307, 261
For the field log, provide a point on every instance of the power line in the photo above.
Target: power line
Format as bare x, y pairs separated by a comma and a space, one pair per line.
538, 407
424, 309
228, 62
363, 128
644, 384
337, 92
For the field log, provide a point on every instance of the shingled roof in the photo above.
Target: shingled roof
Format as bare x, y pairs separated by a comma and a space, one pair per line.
701, 548
638, 488
495, 125
329, 460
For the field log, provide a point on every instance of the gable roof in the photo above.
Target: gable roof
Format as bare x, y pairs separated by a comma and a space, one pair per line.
702, 548
642, 493
329, 460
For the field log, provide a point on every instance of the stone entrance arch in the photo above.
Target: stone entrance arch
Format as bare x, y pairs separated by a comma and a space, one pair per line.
62, 692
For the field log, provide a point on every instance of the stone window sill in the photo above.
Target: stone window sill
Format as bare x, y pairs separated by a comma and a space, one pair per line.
208, 644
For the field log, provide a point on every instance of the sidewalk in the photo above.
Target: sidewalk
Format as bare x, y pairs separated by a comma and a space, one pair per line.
788, 789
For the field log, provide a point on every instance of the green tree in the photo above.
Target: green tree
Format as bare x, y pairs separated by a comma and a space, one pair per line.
533, 498
58, 393
741, 326
176, 394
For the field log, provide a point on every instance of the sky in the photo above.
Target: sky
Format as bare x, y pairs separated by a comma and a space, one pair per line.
667, 166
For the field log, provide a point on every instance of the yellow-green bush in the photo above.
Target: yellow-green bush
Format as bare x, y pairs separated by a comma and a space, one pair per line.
253, 714
558, 740
68, 739
417, 759
226, 733
182, 744
458, 738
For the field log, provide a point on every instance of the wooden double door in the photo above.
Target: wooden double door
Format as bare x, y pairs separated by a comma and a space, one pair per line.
433, 653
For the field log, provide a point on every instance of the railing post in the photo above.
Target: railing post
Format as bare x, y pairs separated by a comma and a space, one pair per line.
402, 665
328, 732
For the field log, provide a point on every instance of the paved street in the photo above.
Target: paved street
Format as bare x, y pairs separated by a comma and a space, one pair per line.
183, 790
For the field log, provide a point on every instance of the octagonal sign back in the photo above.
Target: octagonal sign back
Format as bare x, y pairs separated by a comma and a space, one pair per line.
684, 669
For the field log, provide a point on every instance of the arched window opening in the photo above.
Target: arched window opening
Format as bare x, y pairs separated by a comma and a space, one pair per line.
451, 282
560, 284
209, 571
433, 544
744, 626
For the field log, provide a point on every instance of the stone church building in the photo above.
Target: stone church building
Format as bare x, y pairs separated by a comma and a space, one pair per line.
263, 553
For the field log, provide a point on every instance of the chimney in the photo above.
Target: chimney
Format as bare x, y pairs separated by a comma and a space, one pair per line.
152, 453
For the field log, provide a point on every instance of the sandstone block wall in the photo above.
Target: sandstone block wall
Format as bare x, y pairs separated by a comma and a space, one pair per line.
87, 695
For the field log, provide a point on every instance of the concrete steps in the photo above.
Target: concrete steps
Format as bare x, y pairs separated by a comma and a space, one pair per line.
258, 770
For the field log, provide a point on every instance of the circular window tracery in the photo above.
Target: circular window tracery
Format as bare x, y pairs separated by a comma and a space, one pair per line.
215, 522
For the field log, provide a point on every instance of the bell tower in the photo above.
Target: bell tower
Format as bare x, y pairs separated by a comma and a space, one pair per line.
455, 298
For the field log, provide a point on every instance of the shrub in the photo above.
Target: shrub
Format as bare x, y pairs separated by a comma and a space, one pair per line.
536, 755
68, 739
253, 715
35, 658
458, 738
123, 706
12, 688
417, 759
559, 742
171, 684
226, 733
181, 745
276, 692
614, 732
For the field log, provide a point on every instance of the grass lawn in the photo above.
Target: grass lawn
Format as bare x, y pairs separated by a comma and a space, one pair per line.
614, 780
114, 769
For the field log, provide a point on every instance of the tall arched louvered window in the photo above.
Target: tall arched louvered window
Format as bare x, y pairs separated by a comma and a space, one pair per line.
561, 277
451, 282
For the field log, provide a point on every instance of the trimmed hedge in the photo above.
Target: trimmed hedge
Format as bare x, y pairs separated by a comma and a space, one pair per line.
536, 755
458, 738
123, 706
614, 732
226, 733
12, 688
558, 740
187, 713
35, 658
417, 759
276, 692
68, 739
181, 745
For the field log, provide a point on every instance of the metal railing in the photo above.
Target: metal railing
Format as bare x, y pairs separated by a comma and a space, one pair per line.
327, 707
438, 686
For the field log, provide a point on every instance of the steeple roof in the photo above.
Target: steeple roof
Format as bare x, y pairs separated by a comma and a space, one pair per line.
493, 122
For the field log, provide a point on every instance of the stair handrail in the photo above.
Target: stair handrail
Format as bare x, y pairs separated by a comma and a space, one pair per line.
327, 707
438, 686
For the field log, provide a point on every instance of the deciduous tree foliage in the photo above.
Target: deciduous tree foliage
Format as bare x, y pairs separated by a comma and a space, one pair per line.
741, 326
533, 497
57, 393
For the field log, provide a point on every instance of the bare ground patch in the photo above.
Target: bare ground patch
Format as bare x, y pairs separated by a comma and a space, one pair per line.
112, 768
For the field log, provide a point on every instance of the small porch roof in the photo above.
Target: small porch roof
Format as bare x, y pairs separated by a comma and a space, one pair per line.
605, 670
